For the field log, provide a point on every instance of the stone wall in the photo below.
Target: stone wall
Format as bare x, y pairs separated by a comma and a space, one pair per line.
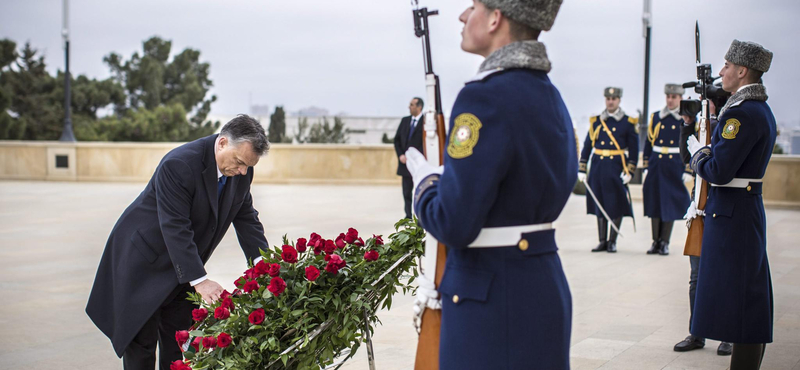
286, 163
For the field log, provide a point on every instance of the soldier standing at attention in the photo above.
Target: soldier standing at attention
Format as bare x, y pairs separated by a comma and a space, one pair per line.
665, 195
610, 135
509, 169
734, 288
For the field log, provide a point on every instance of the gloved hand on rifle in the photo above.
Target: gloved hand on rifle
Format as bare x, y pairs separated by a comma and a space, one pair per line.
419, 167
693, 145
427, 296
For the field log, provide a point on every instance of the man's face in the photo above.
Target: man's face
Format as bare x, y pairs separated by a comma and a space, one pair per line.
732, 75
413, 108
475, 35
673, 101
612, 104
234, 159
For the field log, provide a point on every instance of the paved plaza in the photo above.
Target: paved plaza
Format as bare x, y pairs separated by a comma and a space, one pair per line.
629, 308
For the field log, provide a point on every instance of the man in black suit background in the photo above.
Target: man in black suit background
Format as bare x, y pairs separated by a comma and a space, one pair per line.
409, 135
157, 250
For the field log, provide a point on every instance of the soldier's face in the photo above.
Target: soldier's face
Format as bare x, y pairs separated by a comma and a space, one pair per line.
673, 101
612, 103
732, 76
233, 159
477, 23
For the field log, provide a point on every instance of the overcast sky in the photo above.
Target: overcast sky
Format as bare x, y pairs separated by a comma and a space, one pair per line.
361, 57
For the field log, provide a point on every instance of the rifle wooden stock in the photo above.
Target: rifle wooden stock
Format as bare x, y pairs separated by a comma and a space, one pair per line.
428, 344
694, 239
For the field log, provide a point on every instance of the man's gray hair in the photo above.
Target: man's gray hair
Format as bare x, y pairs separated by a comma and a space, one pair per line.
245, 128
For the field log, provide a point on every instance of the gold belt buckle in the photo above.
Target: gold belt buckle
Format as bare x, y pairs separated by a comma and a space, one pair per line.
605, 153
664, 150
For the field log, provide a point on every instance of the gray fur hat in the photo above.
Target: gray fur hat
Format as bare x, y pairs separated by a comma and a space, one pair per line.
676, 89
536, 14
612, 92
750, 55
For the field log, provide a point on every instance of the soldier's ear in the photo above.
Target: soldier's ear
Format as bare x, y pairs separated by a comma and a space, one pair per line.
495, 18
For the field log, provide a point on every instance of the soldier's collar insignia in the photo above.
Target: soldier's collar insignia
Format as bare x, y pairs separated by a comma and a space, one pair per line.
731, 128
464, 136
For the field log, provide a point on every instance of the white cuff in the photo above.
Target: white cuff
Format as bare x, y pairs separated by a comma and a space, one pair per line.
198, 281
259, 258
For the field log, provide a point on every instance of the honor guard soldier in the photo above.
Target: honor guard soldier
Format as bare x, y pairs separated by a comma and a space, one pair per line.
665, 195
509, 168
734, 254
610, 135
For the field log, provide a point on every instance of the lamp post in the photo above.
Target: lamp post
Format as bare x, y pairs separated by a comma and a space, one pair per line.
67, 134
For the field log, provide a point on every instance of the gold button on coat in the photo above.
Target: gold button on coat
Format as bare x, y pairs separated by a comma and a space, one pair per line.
715, 215
523, 245
749, 188
455, 298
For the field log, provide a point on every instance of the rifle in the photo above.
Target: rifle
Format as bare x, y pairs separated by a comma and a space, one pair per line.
694, 239
433, 260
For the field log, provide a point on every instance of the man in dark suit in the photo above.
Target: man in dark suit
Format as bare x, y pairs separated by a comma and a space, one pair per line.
156, 252
409, 135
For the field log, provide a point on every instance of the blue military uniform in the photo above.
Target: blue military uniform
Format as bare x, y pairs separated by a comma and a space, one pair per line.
608, 140
665, 196
511, 161
734, 289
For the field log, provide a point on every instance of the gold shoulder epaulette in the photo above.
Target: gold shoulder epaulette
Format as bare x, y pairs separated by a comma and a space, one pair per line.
633, 120
592, 119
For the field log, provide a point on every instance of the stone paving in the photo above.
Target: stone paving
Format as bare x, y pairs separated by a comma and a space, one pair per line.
629, 308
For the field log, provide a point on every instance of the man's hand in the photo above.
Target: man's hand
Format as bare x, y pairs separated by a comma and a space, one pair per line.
582, 176
688, 121
626, 178
402, 158
687, 177
419, 167
209, 290
693, 145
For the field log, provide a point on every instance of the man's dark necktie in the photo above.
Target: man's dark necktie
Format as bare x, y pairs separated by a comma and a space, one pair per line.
411, 130
220, 186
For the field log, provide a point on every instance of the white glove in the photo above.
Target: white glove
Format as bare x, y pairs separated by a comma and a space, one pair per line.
692, 212
644, 175
582, 176
626, 178
419, 167
687, 177
427, 296
693, 145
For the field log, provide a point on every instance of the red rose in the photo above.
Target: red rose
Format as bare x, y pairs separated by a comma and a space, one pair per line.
276, 286
257, 317
340, 241
335, 263
312, 273
274, 269
359, 242
196, 343
330, 246
261, 268
227, 303
378, 239
371, 255
319, 246
225, 294
209, 342
327, 257
301, 245
351, 236
199, 314
181, 336
240, 282
289, 254
179, 365
251, 273
237, 292
250, 286
223, 340
314, 237
221, 313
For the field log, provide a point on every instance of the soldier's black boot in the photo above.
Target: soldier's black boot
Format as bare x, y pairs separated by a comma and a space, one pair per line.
655, 224
666, 232
602, 233
612, 239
